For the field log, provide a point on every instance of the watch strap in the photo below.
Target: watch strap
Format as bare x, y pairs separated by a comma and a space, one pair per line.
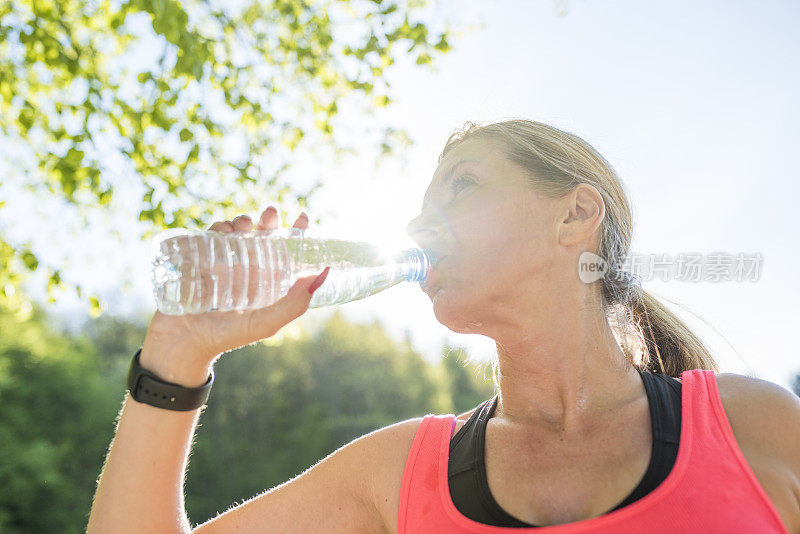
146, 387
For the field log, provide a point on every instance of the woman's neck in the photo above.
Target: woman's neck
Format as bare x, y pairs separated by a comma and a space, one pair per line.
565, 377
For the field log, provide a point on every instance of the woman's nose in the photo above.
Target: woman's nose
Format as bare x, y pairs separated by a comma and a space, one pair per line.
411, 228
420, 229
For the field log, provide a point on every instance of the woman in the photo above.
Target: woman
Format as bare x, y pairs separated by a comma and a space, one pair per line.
608, 418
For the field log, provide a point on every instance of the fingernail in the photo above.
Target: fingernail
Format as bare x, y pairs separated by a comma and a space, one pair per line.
318, 280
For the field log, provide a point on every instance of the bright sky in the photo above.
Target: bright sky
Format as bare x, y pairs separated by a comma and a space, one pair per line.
694, 103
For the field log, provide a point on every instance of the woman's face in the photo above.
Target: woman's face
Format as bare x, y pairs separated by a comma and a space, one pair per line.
493, 236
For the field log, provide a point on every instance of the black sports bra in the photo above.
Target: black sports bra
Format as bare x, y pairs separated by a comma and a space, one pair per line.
466, 467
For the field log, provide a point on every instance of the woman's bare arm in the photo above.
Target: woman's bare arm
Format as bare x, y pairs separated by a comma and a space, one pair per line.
340, 493
141, 487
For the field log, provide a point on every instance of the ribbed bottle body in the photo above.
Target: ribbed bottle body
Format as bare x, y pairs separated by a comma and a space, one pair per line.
198, 271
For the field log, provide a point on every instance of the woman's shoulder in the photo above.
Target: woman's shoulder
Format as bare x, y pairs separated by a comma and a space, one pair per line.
385, 462
764, 416
388, 453
765, 419
757, 401
762, 413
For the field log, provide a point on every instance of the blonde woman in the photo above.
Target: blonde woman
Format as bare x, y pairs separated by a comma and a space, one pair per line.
609, 415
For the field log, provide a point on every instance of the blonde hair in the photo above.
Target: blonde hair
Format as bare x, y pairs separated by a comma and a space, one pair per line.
650, 335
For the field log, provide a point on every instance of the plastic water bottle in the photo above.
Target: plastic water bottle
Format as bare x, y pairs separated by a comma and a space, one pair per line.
196, 271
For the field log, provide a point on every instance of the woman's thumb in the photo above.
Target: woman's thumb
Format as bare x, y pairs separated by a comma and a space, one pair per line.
266, 322
318, 280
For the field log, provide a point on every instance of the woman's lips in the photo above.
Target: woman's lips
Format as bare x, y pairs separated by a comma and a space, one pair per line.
431, 276
429, 282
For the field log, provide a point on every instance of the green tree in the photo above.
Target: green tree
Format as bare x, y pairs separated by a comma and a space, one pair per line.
56, 420
467, 385
114, 340
200, 103
273, 412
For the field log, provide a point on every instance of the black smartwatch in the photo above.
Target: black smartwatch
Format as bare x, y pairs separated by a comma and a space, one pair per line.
148, 388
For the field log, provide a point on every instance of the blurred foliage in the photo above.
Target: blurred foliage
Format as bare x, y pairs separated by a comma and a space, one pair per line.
274, 411
56, 420
202, 101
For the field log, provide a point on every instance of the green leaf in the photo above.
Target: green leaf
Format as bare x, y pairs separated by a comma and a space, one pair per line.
30, 260
442, 45
54, 281
74, 156
26, 118
95, 307
105, 196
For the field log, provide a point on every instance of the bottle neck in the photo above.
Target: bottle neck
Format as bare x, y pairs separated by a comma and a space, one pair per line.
419, 261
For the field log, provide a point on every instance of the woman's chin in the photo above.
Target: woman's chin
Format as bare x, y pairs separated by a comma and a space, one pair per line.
456, 314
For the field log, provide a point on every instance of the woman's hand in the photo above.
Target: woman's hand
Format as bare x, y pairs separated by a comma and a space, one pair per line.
183, 348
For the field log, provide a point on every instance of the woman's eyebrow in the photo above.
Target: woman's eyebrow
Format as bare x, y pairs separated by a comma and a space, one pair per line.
448, 175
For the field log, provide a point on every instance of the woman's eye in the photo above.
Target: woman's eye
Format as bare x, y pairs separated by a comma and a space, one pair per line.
460, 180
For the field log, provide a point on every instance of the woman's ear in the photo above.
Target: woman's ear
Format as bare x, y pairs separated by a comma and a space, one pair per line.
581, 212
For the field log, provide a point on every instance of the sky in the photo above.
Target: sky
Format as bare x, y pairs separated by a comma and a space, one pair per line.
695, 104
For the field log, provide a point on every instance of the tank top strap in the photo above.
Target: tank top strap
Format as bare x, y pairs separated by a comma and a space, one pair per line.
420, 487
707, 416
715, 460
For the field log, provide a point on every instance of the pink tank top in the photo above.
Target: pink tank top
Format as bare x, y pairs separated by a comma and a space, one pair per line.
711, 488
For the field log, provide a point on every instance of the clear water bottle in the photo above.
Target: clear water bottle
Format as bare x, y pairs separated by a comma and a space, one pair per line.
196, 271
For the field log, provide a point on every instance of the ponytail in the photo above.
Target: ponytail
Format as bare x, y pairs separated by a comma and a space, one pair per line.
670, 346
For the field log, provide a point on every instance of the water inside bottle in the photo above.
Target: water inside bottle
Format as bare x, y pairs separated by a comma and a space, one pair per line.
196, 271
